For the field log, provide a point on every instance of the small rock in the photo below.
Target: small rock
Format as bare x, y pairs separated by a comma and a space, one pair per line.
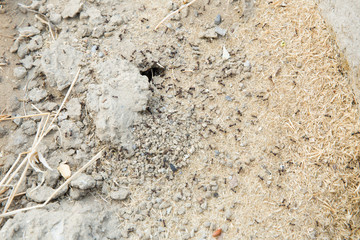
121, 194
36, 95
209, 34
83, 182
72, 8
52, 177
29, 127
228, 98
42, 193
116, 20
228, 214
173, 168
77, 194
164, 205
55, 18
234, 182
13, 104
94, 48
35, 43
27, 62
247, 66
181, 211
218, 19
204, 205
23, 50
220, 31
29, 31
225, 54
19, 72
207, 224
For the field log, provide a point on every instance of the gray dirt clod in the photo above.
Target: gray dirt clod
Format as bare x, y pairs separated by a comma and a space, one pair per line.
27, 62
72, 8
51, 178
115, 102
55, 18
42, 193
83, 182
67, 221
19, 72
36, 95
29, 127
74, 108
120, 194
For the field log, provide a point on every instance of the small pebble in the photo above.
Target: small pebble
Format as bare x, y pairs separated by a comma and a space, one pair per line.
173, 168
94, 48
220, 31
19, 72
218, 19
228, 98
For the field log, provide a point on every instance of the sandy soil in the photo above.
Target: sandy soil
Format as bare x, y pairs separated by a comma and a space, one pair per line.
251, 132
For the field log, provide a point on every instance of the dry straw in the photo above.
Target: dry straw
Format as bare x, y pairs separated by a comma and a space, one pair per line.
32, 157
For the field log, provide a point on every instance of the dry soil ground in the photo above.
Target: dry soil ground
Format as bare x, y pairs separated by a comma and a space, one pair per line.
250, 124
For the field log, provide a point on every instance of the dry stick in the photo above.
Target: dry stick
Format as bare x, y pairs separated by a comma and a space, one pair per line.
9, 172
97, 156
173, 13
16, 195
36, 143
12, 195
26, 116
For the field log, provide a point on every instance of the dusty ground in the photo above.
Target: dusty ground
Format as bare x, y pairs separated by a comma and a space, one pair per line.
258, 139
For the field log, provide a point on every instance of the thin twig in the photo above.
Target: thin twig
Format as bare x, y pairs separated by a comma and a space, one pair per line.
173, 13
96, 157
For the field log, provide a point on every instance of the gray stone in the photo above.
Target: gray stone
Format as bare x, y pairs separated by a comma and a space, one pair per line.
28, 31
23, 50
218, 19
13, 104
228, 215
77, 194
29, 127
209, 34
116, 20
164, 205
220, 31
83, 182
36, 95
27, 62
181, 211
55, 18
72, 7
35, 43
52, 177
95, 17
121, 194
19, 72
42, 193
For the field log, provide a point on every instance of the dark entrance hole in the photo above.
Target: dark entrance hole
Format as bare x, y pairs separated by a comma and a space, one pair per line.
155, 70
